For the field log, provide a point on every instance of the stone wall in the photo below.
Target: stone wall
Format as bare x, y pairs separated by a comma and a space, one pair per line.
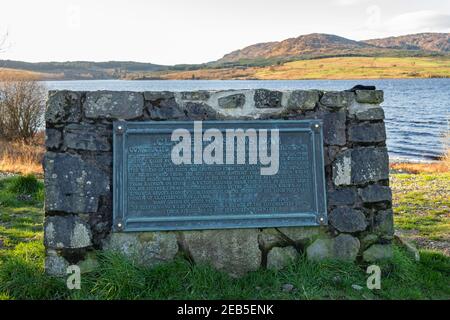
78, 179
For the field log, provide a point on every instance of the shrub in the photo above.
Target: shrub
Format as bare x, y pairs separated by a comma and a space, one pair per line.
22, 107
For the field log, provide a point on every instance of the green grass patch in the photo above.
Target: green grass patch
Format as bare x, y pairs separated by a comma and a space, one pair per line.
422, 204
22, 277
21, 210
22, 260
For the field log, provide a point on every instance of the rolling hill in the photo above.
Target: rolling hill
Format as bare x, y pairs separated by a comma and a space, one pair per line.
317, 45
244, 63
431, 42
83, 70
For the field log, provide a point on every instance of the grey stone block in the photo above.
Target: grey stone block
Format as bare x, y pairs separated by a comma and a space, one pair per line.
114, 105
267, 98
360, 166
378, 252
347, 219
53, 138
375, 193
343, 247
303, 100
346, 247
72, 184
278, 258
365, 112
367, 132
145, 248
63, 107
87, 137
369, 96
200, 111
384, 223
336, 100
369, 165
66, 232
54, 264
340, 197
234, 251
232, 101
163, 106
334, 128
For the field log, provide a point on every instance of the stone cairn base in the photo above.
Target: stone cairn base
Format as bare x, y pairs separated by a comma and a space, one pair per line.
78, 179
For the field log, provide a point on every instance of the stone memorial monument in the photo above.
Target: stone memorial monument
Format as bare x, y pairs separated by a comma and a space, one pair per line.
239, 179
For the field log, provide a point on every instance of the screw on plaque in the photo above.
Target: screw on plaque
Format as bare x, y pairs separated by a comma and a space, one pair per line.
321, 220
120, 128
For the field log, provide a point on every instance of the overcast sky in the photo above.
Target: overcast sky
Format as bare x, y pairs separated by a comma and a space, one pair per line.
195, 31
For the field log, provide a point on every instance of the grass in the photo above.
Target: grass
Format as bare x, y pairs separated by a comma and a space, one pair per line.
422, 208
325, 68
22, 273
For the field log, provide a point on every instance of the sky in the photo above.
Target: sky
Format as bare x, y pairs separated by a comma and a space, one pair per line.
196, 31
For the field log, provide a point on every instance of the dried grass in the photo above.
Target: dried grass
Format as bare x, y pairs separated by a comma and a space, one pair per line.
18, 157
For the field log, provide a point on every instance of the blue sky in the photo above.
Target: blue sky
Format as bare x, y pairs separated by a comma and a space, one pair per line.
195, 31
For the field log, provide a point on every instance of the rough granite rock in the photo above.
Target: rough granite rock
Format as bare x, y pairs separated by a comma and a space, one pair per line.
267, 98
378, 252
72, 184
369, 96
235, 251
278, 257
53, 138
367, 132
334, 128
320, 249
384, 223
336, 100
232, 101
347, 220
303, 100
121, 105
343, 247
146, 248
361, 165
163, 106
341, 197
63, 107
66, 232
55, 265
375, 193
365, 112
88, 137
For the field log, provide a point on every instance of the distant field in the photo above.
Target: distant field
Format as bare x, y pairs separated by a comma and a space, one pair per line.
327, 68
6, 73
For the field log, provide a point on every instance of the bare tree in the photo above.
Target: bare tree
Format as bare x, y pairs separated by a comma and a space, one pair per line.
22, 107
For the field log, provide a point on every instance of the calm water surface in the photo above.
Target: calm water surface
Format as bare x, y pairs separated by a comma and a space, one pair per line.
417, 110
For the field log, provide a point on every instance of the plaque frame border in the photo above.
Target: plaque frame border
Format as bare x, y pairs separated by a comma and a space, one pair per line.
122, 223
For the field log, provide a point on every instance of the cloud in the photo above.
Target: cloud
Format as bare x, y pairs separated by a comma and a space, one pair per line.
419, 21
406, 23
349, 2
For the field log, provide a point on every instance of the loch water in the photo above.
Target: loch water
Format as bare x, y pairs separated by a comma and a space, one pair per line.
417, 110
